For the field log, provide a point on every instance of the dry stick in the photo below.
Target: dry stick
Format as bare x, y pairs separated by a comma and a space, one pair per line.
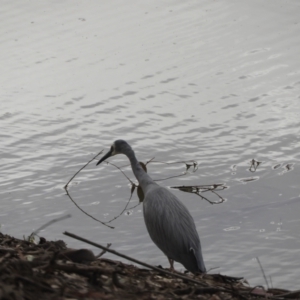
172, 163
204, 198
132, 207
103, 251
211, 202
174, 176
270, 277
68, 194
153, 179
195, 164
125, 208
119, 168
221, 198
133, 186
263, 272
48, 224
149, 161
254, 164
287, 295
66, 186
205, 188
41, 286
134, 260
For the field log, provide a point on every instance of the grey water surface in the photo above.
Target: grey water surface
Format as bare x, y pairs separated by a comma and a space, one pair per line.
216, 82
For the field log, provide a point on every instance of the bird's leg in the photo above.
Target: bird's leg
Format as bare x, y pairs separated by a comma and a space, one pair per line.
171, 261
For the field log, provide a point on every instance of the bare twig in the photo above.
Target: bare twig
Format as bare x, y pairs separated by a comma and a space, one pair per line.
135, 260
68, 194
287, 295
263, 272
103, 251
66, 186
48, 224
188, 165
198, 189
149, 161
109, 163
194, 163
254, 165
133, 187
132, 207
125, 208
212, 269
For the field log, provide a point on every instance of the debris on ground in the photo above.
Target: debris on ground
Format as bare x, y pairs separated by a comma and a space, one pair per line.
50, 270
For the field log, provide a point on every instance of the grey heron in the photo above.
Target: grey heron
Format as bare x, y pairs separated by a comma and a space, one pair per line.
169, 223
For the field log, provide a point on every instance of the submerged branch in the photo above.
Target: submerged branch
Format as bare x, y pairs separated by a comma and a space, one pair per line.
199, 189
254, 165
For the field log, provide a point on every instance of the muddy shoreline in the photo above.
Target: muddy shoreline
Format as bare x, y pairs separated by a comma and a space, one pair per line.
50, 270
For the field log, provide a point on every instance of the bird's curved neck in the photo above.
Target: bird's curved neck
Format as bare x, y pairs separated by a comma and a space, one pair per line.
143, 178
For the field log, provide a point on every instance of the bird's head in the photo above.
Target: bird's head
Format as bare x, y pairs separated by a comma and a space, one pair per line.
118, 147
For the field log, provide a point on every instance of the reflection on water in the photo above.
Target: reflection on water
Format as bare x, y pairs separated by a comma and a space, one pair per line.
232, 228
244, 180
208, 82
214, 191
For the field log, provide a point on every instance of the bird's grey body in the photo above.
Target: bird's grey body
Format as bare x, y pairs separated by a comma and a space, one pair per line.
169, 223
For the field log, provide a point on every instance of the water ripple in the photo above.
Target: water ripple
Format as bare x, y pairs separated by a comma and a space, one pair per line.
206, 83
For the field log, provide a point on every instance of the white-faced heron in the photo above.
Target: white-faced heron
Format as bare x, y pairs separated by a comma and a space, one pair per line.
169, 223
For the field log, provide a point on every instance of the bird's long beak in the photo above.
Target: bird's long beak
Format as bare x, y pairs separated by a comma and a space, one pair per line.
107, 155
